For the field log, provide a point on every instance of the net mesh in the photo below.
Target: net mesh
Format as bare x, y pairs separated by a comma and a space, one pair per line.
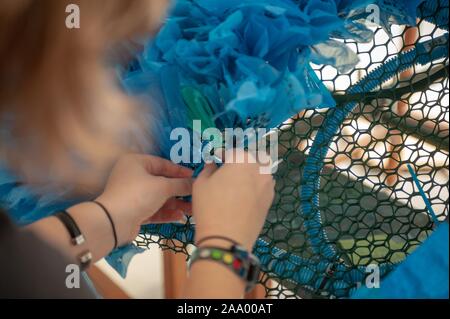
371, 211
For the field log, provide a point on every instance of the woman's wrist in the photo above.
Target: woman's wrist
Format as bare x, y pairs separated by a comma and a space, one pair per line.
222, 238
95, 227
209, 279
213, 242
124, 228
93, 224
237, 259
111, 221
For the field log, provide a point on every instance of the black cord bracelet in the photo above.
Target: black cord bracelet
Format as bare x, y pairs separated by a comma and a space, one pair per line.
77, 237
218, 237
72, 227
110, 220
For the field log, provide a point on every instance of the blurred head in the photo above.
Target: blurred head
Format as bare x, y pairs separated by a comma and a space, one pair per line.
62, 113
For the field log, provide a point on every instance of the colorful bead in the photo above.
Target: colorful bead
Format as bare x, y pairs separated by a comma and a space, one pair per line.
237, 264
204, 253
228, 258
216, 254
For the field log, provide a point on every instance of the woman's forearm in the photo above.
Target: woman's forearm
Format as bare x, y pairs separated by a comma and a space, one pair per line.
93, 224
209, 279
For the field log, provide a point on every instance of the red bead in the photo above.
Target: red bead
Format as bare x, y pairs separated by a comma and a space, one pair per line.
237, 264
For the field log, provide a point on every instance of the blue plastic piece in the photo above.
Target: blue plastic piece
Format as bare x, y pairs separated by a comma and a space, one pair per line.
423, 195
120, 258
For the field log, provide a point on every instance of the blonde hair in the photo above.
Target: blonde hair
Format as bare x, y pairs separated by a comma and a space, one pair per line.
62, 113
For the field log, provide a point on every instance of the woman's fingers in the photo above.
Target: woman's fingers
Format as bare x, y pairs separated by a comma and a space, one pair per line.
174, 187
173, 210
168, 216
161, 167
178, 204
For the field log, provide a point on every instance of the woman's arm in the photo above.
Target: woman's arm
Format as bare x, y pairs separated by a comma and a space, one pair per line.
29, 268
209, 279
231, 202
94, 225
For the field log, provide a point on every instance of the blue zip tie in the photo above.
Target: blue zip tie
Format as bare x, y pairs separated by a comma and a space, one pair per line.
424, 197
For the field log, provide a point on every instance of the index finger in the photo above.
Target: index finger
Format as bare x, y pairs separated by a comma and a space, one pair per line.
161, 167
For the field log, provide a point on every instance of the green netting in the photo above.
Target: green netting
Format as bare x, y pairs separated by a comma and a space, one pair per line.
370, 209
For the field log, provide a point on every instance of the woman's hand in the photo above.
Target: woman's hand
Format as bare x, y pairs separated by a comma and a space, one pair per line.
140, 189
143, 189
232, 201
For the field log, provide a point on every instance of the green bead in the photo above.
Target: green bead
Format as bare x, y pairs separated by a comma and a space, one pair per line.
216, 254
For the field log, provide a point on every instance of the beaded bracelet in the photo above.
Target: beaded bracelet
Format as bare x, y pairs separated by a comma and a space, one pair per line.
237, 259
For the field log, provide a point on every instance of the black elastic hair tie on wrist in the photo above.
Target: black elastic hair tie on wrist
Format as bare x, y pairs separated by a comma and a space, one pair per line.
110, 220
217, 237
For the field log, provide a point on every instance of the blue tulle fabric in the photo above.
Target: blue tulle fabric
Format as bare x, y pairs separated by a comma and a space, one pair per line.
247, 62
251, 60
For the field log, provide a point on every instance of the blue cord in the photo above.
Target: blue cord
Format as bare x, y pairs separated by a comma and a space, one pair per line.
422, 193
